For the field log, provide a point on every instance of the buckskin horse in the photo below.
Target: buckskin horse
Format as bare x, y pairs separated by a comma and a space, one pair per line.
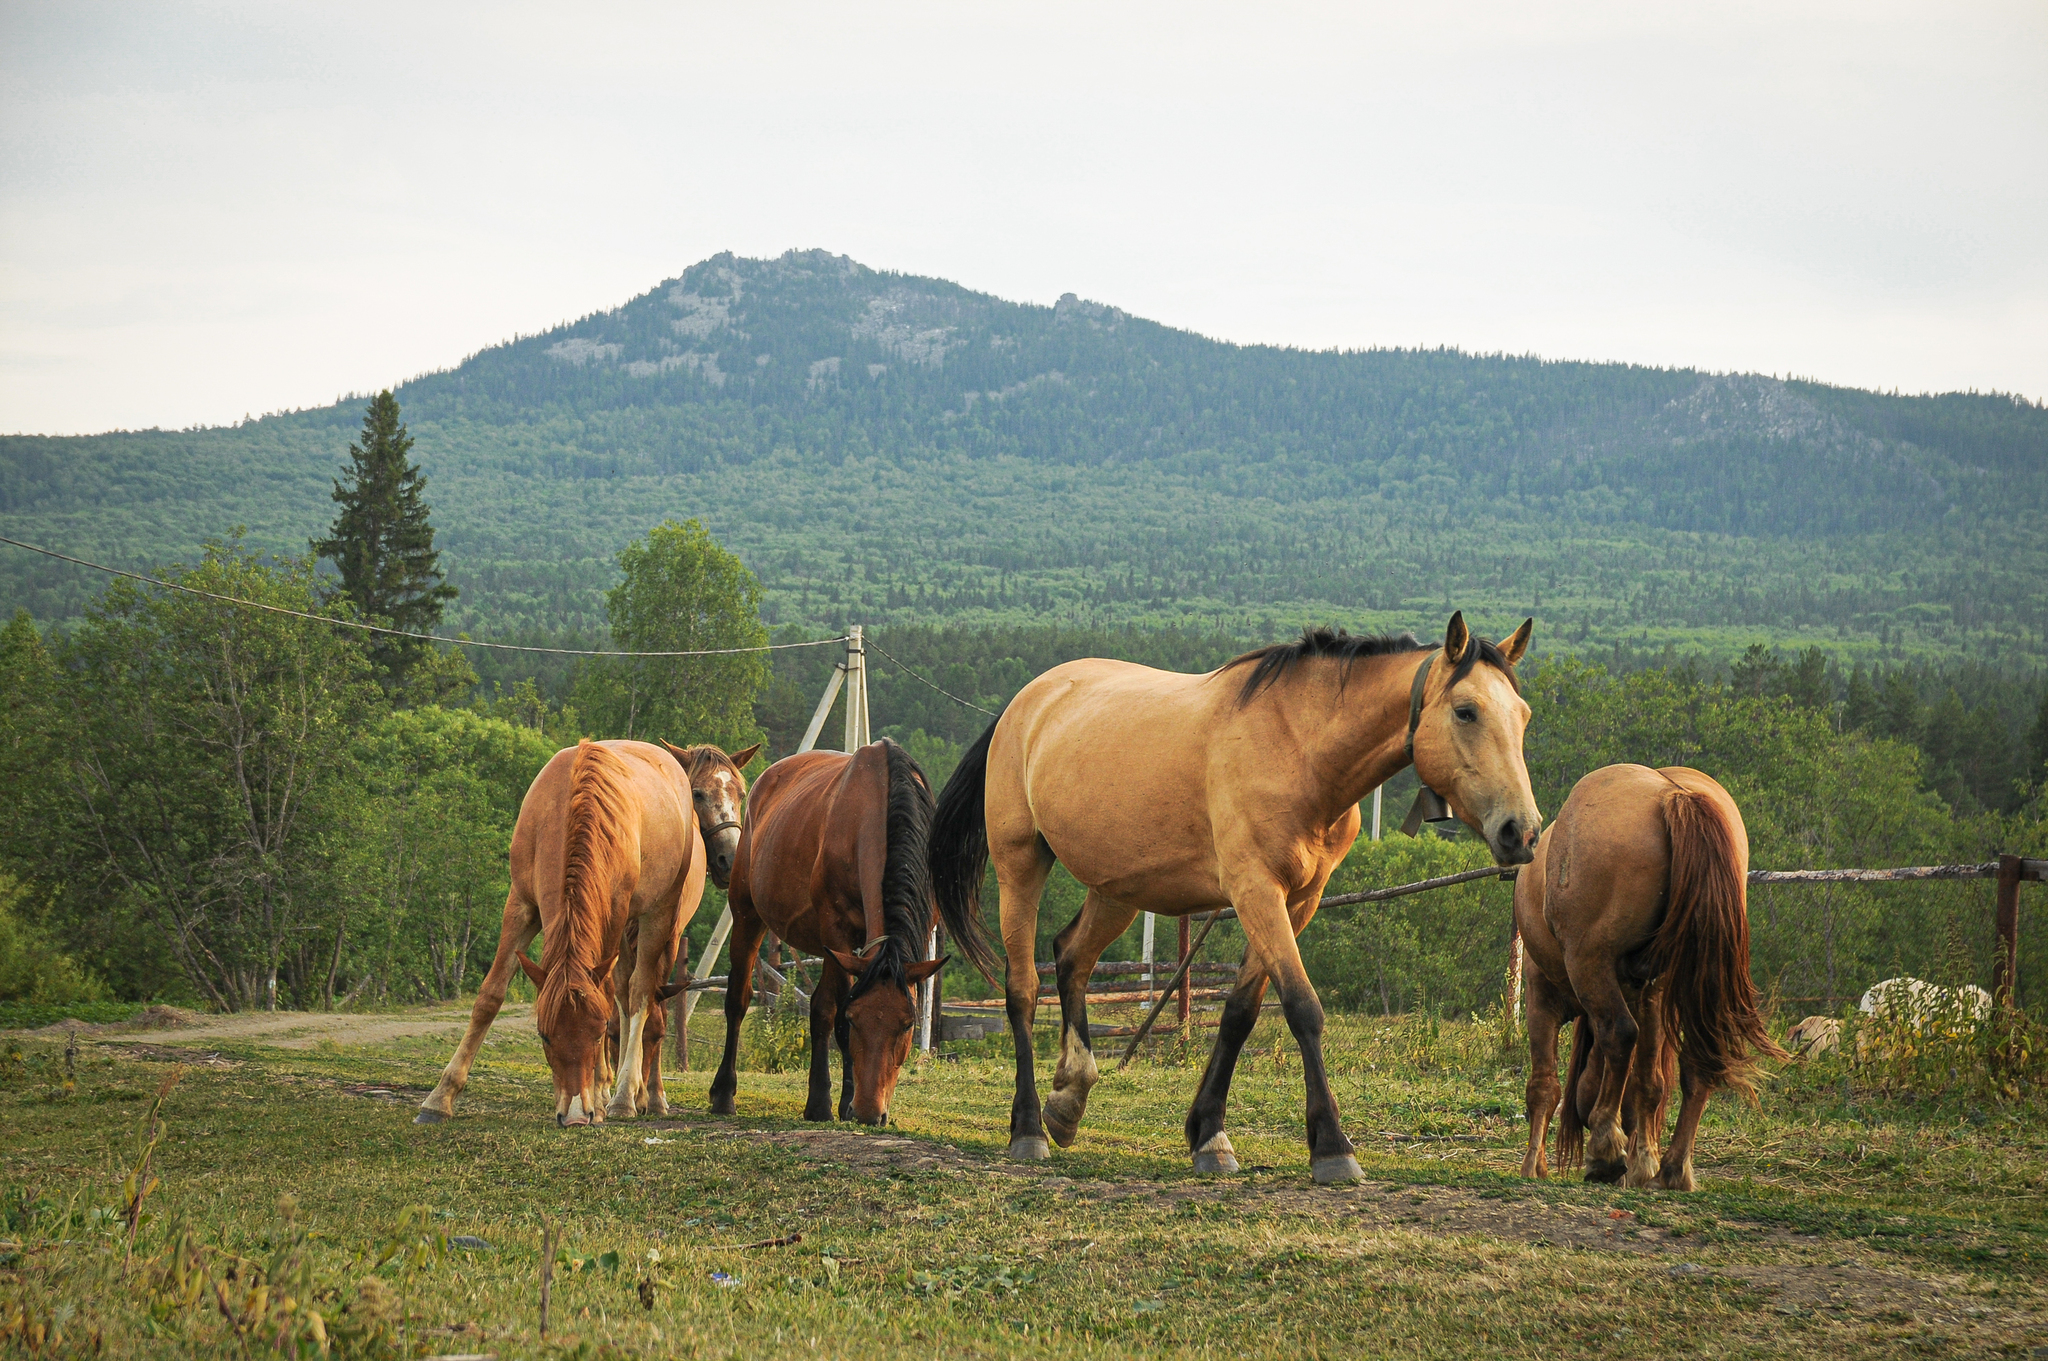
833, 861
1634, 917
1178, 794
606, 842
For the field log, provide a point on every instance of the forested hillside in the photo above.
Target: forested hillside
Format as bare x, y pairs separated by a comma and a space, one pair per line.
890, 449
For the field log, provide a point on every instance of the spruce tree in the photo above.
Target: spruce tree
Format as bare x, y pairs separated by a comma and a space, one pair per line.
382, 543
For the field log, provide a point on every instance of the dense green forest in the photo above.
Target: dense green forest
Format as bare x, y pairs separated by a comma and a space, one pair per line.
216, 805
887, 449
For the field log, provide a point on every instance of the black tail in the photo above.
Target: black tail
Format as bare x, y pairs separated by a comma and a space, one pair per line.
959, 854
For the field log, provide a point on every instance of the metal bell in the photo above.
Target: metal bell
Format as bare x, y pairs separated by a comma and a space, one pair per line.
1429, 807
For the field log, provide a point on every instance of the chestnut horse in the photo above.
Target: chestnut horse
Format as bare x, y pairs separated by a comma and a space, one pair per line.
605, 841
833, 862
1634, 916
718, 792
1178, 794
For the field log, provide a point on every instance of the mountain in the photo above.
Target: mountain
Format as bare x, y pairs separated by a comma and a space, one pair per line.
882, 447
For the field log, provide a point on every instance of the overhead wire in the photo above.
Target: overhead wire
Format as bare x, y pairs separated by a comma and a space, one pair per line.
402, 633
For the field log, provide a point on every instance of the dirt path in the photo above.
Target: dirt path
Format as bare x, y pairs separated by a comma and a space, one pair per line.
292, 1029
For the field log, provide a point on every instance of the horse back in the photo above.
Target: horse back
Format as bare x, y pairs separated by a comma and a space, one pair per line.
815, 845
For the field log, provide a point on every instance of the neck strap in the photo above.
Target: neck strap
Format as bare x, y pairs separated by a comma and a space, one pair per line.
1415, 697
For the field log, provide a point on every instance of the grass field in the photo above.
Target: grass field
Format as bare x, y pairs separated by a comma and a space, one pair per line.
1833, 1221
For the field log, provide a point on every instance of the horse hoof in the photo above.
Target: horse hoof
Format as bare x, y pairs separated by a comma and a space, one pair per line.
619, 1112
1216, 1156
1029, 1149
1609, 1172
429, 1117
573, 1121
1337, 1168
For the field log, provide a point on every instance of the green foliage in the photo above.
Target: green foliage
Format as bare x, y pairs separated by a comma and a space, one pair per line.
382, 543
33, 968
681, 592
220, 802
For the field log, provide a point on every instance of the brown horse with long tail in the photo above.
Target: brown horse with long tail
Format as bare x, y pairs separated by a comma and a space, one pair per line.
610, 842
1178, 794
1634, 915
833, 862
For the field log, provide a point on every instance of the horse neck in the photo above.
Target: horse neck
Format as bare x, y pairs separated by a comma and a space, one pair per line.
1353, 729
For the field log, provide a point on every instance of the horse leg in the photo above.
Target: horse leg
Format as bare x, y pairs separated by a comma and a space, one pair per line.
1075, 951
1547, 1011
1020, 881
1676, 1172
1264, 913
826, 1001
1206, 1139
1606, 1078
521, 925
741, 949
652, 1098
645, 978
1642, 1104
842, 1035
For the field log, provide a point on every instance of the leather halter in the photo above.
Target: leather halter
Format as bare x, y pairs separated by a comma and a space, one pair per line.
714, 831
1415, 697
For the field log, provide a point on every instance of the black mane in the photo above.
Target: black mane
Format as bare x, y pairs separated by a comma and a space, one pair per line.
1270, 663
906, 876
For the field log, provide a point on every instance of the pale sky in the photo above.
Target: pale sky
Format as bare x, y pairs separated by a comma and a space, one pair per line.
213, 210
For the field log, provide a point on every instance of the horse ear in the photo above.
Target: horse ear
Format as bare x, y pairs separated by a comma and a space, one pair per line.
533, 970
1514, 647
850, 963
742, 758
668, 990
681, 754
1456, 638
600, 973
917, 973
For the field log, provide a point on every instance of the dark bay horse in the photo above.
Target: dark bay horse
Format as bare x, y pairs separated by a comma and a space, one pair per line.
1177, 794
1634, 916
606, 841
833, 862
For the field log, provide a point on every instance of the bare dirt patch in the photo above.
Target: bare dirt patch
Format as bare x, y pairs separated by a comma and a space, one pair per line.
1804, 1276
167, 1053
306, 1029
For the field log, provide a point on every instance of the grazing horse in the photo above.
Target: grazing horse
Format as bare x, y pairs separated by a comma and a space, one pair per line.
605, 841
1178, 794
833, 862
1635, 917
718, 792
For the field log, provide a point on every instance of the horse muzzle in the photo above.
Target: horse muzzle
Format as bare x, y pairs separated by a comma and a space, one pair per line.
1512, 841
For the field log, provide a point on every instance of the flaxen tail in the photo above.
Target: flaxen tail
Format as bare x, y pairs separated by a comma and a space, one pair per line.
1701, 951
595, 858
959, 854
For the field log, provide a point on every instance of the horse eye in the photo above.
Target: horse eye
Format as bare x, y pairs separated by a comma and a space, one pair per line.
1466, 713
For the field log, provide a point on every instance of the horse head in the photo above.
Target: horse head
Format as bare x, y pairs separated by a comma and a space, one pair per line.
718, 793
571, 1013
881, 1011
1465, 726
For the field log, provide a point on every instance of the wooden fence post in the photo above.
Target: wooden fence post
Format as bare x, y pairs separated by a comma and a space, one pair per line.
2006, 974
1183, 922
